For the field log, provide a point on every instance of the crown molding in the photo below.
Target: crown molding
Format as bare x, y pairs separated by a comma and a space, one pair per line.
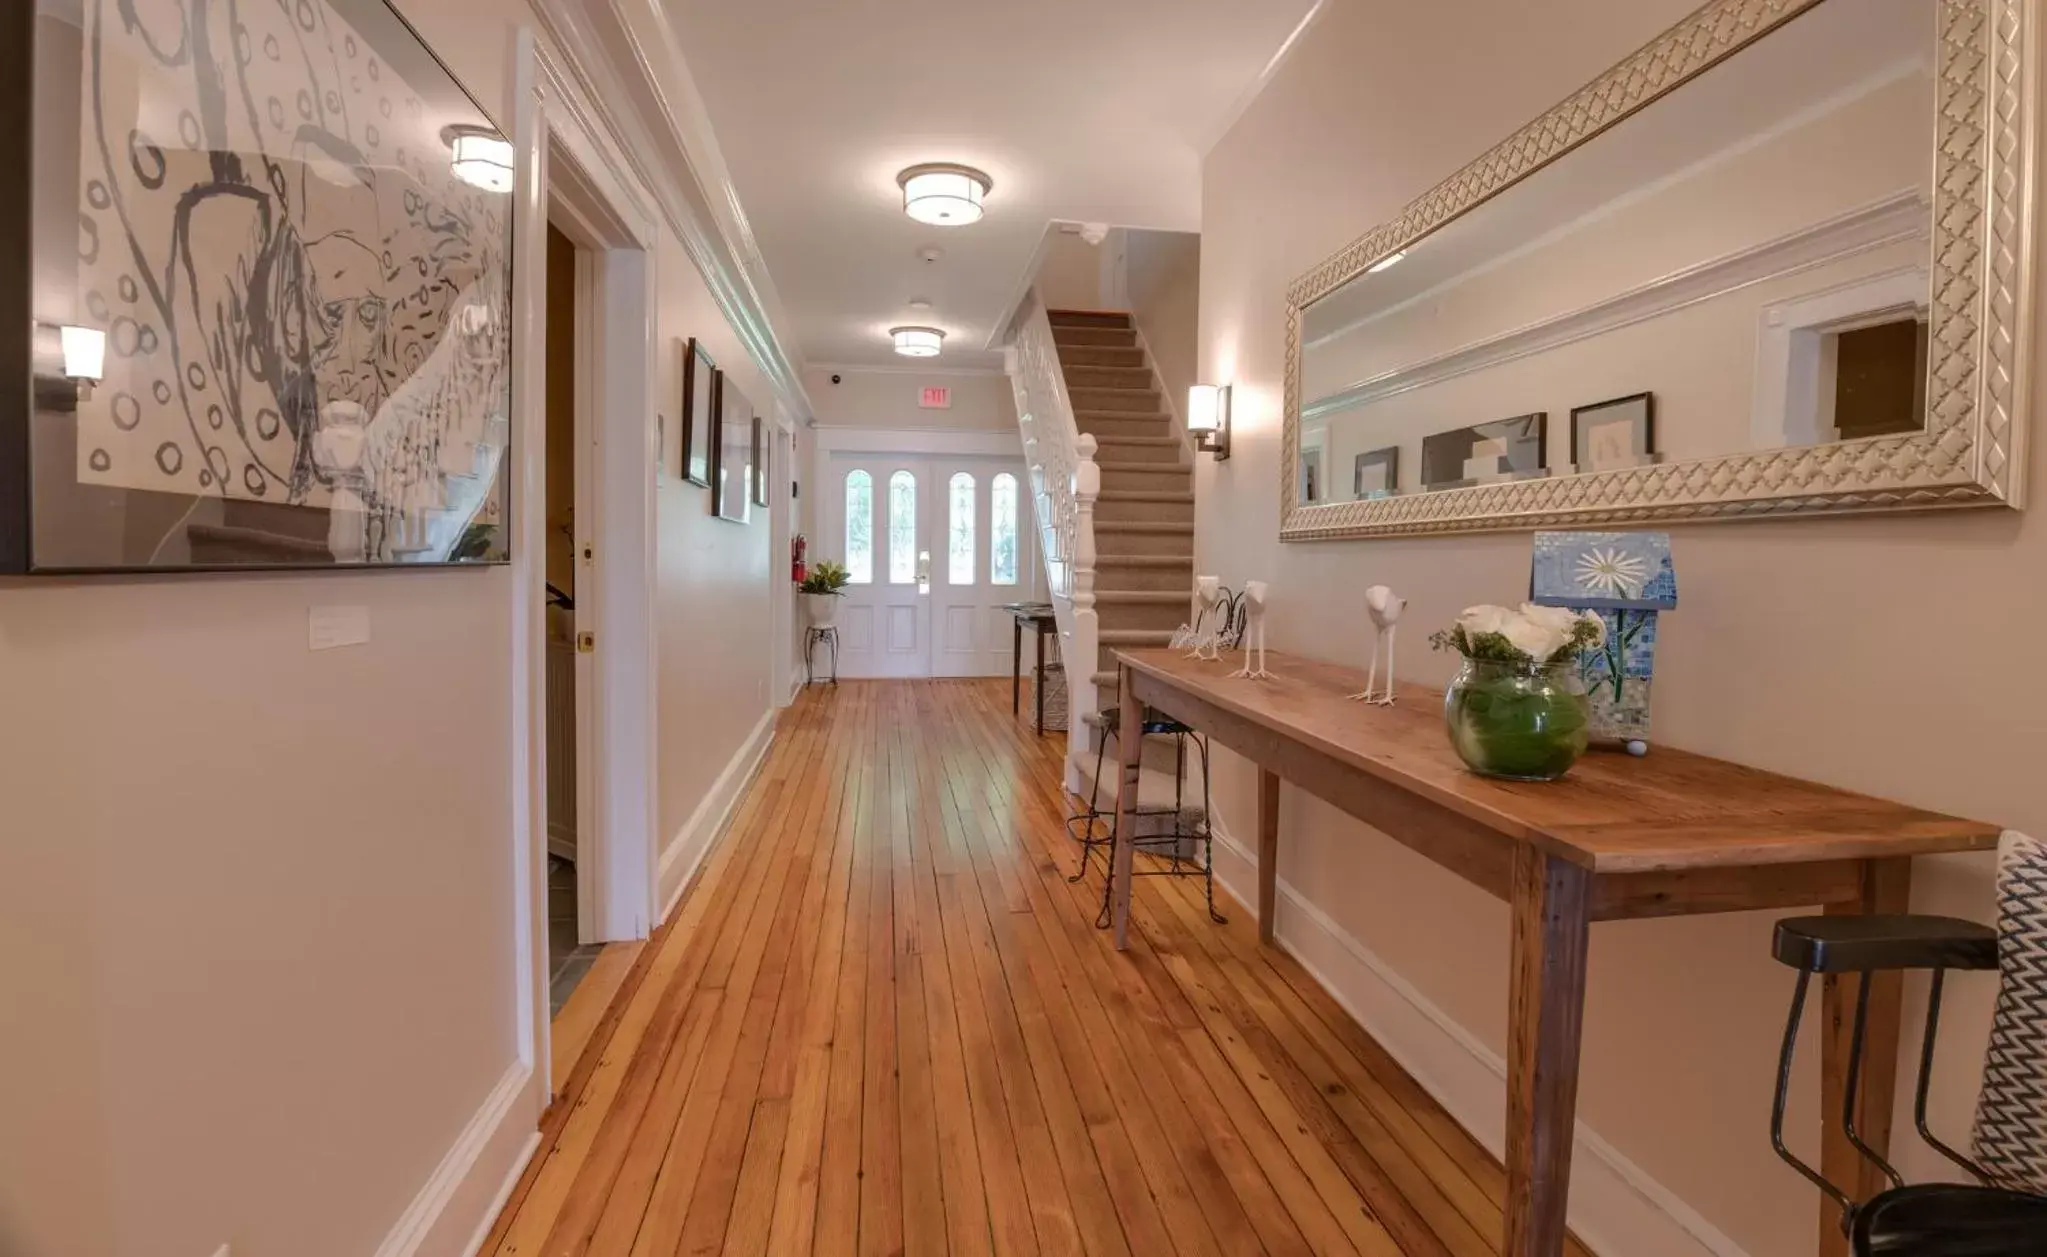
610, 50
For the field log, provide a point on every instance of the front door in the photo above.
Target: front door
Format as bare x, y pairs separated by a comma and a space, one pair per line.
934, 545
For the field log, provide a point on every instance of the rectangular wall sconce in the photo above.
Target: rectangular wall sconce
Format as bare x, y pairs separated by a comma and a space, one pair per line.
1208, 418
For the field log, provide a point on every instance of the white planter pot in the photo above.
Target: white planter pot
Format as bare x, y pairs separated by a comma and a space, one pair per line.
824, 610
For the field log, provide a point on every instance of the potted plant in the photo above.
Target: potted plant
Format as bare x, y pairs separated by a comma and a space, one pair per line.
822, 589
1517, 708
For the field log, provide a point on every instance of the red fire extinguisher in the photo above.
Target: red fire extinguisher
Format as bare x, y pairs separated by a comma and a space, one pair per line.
797, 545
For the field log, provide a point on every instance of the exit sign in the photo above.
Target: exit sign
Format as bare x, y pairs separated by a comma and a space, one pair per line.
935, 398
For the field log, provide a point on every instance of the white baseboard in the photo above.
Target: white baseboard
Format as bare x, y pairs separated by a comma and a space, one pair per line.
1616, 1207
453, 1212
685, 851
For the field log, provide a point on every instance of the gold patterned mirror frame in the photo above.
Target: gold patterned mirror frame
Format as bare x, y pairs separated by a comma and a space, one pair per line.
1972, 452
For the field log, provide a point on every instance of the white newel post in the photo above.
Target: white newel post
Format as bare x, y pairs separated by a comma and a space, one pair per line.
1081, 664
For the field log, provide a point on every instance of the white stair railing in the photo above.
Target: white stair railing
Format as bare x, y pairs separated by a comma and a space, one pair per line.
1064, 485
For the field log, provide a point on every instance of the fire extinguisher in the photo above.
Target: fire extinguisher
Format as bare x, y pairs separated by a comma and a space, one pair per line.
797, 545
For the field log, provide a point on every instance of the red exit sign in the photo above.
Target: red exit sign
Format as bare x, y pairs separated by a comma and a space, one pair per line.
936, 397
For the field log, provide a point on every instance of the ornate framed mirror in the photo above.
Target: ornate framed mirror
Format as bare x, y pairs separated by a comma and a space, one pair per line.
1777, 262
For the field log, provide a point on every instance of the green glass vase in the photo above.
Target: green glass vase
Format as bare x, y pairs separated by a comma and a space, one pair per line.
1520, 721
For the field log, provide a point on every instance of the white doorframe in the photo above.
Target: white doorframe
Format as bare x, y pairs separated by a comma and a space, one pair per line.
781, 439
566, 167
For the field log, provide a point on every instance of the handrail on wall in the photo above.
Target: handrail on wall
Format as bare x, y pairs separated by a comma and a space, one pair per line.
1064, 485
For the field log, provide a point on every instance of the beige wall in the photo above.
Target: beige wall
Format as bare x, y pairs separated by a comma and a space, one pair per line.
1070, 272
1162, 276
259, 901
1786, 651
888, 399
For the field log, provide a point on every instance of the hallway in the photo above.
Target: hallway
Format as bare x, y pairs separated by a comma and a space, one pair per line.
881, 1021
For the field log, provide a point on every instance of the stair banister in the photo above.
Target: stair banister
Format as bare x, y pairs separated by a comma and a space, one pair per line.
1064, 485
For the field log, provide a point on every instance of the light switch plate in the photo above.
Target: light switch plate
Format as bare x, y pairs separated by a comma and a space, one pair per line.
329, 627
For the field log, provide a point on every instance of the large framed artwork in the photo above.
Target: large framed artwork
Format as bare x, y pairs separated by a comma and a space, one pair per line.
269, 252
732, 470
699, 379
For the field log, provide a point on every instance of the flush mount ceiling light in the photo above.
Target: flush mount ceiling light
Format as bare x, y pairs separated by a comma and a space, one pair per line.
943, 194
482, 157
917, 342
1386, 263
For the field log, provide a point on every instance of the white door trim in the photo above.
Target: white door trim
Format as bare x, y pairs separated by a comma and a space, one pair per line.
570, 172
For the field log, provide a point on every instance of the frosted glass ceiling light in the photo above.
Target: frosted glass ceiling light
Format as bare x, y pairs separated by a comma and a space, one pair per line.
482, 158
943, 194
917, 342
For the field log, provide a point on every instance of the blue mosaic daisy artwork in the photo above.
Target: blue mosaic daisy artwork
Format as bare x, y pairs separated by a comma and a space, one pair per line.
1625, 578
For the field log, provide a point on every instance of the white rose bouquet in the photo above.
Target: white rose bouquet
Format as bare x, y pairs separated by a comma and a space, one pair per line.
1532, 635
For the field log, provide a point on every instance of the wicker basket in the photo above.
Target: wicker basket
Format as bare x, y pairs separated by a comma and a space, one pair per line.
1052, 679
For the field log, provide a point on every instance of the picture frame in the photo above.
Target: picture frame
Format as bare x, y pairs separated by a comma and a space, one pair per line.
1518, 448
699, 421
760, 461
1615, 434
732, 451
1375, 473
328, 382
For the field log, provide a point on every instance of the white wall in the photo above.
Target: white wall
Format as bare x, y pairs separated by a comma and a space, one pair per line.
260, 901
1784, 652
1069, 272
877, 398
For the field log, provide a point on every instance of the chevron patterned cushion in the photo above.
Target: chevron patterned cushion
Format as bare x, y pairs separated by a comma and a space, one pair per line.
2011, 1116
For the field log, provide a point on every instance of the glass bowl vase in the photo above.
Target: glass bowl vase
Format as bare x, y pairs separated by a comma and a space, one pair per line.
1520, 721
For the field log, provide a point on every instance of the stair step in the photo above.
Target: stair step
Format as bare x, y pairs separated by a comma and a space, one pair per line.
1142, 597
1099, 355
1088, 318
1171, 573
1160, 538
1166, 450
1135, 638
1083, 376
1138, 507
1102, 427
1096, 338
1146, 477
1143, 401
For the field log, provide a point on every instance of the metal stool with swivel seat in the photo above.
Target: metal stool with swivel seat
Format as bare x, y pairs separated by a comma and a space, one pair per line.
2005, 1216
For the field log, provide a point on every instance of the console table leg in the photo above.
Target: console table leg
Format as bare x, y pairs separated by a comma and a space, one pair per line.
1545, 1017
1268, 853
1130, 751
1886, 888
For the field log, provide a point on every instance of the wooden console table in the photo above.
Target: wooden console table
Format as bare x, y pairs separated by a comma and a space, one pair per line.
1667, 835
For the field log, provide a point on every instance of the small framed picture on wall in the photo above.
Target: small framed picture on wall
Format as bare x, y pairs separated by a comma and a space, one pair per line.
760, 462
732, 452
698, 398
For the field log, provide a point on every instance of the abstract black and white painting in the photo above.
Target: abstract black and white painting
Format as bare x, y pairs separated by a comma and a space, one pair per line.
305, 297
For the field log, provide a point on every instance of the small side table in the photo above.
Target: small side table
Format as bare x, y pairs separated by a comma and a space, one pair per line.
1039, 616
827, 636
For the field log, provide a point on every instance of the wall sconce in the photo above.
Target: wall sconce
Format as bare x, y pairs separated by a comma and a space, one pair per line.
1208, 418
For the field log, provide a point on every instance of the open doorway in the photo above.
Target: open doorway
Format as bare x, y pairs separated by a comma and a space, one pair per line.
570, 952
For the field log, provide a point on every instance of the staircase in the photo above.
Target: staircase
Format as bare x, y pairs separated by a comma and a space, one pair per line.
1144, 515
1143, 532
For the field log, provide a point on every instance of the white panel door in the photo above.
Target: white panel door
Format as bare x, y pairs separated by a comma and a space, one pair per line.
881, 507
984, 558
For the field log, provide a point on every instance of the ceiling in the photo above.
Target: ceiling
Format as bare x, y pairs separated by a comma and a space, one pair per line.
1080, 111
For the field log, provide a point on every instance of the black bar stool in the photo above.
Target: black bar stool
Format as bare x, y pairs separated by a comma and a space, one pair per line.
1095, 829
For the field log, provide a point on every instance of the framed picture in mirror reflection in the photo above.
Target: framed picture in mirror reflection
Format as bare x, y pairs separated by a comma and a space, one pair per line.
1611, 435
1376, 473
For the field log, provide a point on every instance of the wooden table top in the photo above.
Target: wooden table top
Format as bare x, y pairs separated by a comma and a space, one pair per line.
1614, 813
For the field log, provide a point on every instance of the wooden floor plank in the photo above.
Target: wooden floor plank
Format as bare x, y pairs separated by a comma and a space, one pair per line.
881, 1021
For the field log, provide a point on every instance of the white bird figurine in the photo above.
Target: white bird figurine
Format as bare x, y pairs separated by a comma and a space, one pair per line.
1254, 631
1202, 633
1385, 611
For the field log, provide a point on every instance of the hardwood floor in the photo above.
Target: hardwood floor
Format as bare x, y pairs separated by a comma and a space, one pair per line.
882, 1021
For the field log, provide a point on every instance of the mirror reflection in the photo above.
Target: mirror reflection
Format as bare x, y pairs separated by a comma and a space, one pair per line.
1743, 265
